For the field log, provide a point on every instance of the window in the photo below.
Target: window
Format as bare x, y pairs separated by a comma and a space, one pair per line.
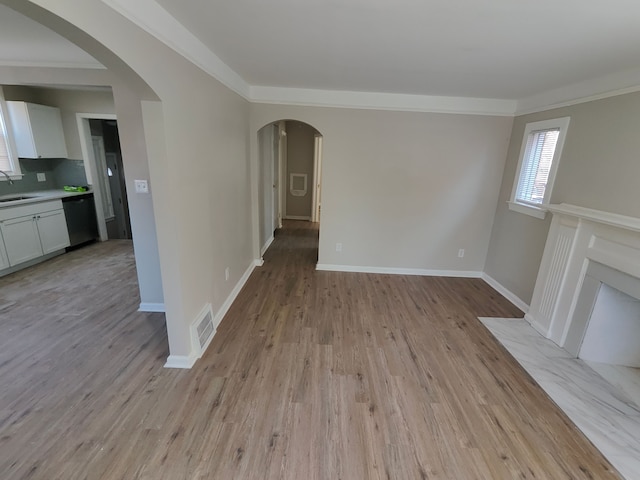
539, 157
8, 161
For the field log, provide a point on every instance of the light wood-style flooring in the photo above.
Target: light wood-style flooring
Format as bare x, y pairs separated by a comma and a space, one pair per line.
312, 375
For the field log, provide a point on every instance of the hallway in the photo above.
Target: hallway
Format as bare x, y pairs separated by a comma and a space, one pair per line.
311, 375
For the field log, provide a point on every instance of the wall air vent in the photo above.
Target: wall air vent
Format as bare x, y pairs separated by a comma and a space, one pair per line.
202, 330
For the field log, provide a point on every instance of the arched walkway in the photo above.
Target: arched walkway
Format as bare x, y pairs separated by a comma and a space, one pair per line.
289, 176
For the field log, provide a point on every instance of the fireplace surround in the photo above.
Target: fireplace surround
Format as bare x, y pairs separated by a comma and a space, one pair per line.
589, 253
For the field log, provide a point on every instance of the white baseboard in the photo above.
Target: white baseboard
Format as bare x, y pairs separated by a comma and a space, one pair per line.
266, 245
258, 262
35, 261
297, 217
399, 271
180, 361
506, 293
151, 307
222, 311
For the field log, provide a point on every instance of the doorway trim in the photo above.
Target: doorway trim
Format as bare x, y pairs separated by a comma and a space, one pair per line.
90, 164
261, 120
317, 178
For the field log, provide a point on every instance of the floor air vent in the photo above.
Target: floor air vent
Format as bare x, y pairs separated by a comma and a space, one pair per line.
203, 329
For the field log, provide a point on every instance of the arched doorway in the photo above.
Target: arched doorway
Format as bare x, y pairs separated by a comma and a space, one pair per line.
127, 91
289, 176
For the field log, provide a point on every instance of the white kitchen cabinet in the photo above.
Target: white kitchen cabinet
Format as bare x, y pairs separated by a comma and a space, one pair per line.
52, 228
4, 261
21, 239
31, 231
37, 130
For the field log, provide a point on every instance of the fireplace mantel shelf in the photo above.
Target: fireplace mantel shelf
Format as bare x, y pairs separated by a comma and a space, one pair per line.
613, 219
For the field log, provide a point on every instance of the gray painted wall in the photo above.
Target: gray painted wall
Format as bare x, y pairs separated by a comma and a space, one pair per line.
300, 142
599, 169
403, 189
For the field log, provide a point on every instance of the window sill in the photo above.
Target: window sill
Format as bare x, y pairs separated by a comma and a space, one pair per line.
537, 212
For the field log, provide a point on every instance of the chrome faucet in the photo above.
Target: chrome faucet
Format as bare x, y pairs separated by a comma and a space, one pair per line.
8, 177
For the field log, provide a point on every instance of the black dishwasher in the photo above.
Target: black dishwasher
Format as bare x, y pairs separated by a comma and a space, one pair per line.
80, 212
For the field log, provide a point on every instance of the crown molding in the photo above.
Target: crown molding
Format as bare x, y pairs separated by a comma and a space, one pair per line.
155, 20
33, 64
383, 101
606, 86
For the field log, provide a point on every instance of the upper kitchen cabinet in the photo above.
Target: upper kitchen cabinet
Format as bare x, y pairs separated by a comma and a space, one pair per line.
37, 130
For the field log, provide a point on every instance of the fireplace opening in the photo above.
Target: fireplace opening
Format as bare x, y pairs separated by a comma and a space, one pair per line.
613, 331
605, 328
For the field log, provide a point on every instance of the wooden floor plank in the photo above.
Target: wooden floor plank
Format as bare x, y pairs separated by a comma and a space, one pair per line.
311, 375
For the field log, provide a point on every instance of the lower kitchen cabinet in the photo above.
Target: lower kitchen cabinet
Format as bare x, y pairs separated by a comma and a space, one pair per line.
4, 261
52, 228
21, 239
31, 231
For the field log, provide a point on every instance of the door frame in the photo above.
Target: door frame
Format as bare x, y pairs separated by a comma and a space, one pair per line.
316, 199
91, 167
275, 177
284, 166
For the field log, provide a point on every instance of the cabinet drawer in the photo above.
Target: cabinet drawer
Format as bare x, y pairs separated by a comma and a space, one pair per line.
8, 213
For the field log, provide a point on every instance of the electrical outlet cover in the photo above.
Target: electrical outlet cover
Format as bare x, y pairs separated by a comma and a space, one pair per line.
142, 186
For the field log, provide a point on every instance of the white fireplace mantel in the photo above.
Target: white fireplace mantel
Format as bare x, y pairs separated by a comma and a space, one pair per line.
597, 216
580, 241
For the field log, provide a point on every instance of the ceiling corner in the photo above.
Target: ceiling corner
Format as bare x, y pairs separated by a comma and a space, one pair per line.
155, 20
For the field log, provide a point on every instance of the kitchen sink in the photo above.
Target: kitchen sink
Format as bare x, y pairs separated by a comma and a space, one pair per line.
15, 197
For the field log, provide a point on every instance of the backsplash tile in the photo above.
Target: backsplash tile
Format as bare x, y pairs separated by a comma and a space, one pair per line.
58, 172
69, 172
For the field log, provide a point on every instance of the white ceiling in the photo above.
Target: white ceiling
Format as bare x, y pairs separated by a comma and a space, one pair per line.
485, 49
24, 42
507, 49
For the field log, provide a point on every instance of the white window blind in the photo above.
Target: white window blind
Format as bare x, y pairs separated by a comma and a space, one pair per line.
539, 153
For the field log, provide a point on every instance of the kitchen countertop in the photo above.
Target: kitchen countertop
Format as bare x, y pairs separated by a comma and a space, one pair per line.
38, 196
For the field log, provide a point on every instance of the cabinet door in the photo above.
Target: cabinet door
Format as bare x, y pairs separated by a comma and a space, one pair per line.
4, 261
48, 136
21, 239
52, 228
37, 130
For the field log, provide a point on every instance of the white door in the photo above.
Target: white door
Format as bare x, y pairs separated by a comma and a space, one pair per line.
21, 239
52, 228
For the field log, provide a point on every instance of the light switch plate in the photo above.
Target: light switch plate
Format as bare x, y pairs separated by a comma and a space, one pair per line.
42, 177
142, 186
